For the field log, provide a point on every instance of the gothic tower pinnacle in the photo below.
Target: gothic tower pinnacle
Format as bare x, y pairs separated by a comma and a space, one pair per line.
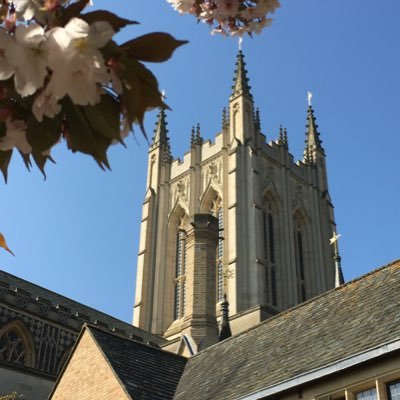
161, 138
241, 82
313, 142
241, 107
160, 131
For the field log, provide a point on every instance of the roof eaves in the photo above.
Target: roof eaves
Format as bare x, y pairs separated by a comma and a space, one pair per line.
325, 371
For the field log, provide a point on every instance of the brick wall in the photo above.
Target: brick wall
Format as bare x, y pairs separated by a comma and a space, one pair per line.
88, 376
200, 321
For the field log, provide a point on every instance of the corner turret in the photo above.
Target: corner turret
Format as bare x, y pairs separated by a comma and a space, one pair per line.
241, 108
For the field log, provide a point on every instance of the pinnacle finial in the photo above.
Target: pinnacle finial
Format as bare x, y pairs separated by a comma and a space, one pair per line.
339, 279
225, 329
160, 131
241, 82
199, 139
240, 43
193, 136
166, 156
257, 121
313, 141
224, 118
161, 138
309, 98
285, 137
280, 139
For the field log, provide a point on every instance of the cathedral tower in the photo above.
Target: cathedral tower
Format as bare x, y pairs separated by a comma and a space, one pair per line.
236, 218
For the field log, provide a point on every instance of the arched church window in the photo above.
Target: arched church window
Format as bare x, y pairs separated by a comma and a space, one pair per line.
180, 274
216, 211
269, 241
299, 239
14, 345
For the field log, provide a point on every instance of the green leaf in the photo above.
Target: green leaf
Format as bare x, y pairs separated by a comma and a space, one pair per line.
153, 47
5, 157
131, 88
27, 160
40, 160
43, 135
111, 50
3, 129
140, 90
102, 15
104, 117
80, 135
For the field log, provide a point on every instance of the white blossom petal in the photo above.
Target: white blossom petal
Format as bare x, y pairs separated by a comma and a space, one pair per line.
77, 28
15, 137
6, 69
45, 104
28, 57
100, 34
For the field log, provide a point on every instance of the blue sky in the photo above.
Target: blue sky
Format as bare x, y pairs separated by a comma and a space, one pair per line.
77, 232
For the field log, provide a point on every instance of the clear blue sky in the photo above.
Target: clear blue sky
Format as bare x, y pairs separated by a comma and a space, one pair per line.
77, 232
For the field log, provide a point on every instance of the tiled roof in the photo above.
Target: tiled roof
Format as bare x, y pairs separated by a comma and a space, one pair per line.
147, 373
13, 283
346, 321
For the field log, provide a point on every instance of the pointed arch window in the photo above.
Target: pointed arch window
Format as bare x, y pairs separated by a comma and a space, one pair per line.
299, 240
270, 240
180, 274
16, 344
216, 211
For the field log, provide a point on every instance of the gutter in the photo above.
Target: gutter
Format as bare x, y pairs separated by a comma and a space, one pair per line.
324, 371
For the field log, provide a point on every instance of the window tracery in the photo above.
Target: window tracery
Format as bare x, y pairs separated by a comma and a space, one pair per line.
14, 345
299, 240
216, 211
180, 272
270, 254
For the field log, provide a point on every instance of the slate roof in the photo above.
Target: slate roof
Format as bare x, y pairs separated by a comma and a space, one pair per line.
74, 308
147, 373
349, 320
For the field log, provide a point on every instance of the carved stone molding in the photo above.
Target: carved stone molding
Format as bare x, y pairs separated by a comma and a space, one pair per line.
298, 197
268, 175
180, 191
212, 172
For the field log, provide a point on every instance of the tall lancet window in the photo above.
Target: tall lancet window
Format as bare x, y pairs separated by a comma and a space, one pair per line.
299, 240
269, 230
180, 274
216, 210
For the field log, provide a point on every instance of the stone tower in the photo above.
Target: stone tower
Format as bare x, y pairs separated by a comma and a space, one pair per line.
236, 218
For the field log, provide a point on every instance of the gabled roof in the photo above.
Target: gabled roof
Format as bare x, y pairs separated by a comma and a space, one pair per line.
13, 284
145, 372
347, 321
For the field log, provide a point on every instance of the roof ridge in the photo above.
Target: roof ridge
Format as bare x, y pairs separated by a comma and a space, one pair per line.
75, 310
121, 336
298, 306
56, 293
